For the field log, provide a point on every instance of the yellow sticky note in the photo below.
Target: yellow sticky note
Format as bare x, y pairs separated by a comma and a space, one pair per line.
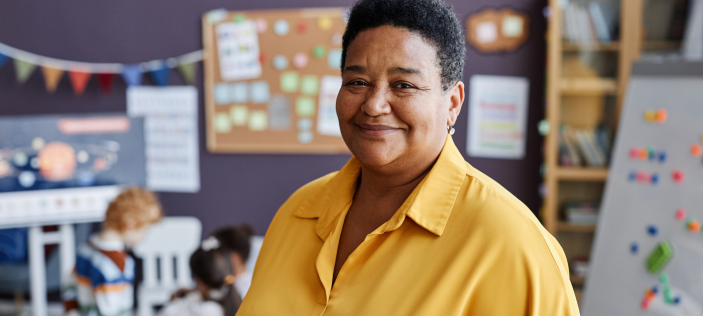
239, 115
324, 23
222, 123
258, 121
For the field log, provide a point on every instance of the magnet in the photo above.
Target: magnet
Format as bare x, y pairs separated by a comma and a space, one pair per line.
680, 214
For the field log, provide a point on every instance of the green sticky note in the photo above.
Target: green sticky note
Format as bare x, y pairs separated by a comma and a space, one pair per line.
289, 81
512, 26
318, 52
258, 120
239, 17
310, 85
305, 106
239, 115
222, 123
659, 257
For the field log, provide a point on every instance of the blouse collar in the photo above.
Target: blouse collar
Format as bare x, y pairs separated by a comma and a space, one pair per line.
429, 205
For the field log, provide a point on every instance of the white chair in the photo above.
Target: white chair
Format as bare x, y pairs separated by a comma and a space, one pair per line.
256, 242
165, 252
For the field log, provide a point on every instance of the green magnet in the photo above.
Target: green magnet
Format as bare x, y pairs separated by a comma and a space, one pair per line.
659, 257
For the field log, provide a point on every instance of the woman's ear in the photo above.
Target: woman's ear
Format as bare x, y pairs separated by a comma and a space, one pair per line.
455, 97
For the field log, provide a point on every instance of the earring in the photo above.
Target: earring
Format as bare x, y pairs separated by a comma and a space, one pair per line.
451, 130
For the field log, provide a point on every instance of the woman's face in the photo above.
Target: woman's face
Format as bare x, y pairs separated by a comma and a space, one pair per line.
391, 107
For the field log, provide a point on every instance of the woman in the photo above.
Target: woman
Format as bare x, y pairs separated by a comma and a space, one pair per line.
406, 227
236, 240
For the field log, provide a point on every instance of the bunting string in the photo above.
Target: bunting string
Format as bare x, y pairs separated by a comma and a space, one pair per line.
79, 73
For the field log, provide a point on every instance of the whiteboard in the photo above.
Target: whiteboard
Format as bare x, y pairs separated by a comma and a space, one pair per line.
618, 277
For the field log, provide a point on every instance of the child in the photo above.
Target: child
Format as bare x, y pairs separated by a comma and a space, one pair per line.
215, 295
104, 273
235, 239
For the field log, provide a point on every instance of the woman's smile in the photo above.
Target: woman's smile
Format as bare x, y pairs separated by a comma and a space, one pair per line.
376, 129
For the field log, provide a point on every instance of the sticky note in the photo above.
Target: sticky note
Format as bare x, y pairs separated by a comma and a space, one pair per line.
279, 113
305, 124
260, 92
222, 123
305, 106
261, 25
300, 60
324, 23
486, 32
281, 27
238, 92
258, 121
512, 26
289, 81
336, 39
239, 114
305, 137
239, 17
280, 62
334, 58
310, 85
216, 16
659, 257
319, 51
221, 93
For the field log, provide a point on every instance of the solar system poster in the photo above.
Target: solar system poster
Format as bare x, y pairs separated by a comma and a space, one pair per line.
59, 152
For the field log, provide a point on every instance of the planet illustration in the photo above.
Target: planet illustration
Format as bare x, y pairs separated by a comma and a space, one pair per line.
57, 161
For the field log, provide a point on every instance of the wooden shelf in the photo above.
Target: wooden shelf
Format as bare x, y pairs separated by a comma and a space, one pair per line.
661, 45
575, 47
577, 280
581, 174
567, 227
578, 294
588, 86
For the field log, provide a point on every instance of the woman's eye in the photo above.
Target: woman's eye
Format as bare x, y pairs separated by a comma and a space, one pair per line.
404, 85
356, 83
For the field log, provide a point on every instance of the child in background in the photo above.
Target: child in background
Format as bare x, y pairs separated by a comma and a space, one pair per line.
236, 239
211, 267
104, 273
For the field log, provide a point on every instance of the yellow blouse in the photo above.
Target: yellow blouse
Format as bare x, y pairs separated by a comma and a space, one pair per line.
460, 245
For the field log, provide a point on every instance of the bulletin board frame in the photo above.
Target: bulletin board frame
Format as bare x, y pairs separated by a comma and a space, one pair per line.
243, 139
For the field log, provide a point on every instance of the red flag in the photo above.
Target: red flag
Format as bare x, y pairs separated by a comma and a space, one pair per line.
79, 79
105, 80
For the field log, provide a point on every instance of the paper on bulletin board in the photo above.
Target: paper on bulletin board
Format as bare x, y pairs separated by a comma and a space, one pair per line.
171, 136
497, 116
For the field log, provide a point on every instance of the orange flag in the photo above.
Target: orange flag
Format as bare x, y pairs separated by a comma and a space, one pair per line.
52, 76
79, 79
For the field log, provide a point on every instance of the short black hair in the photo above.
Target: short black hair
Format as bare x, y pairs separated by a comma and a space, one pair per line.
433, 19
236, 239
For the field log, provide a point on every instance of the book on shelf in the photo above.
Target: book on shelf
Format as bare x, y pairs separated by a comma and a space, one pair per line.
584, 148
581, 213
596, 22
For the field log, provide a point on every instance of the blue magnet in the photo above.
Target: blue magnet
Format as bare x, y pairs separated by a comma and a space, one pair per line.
633, 176
662, 157
634, 248
652, 230
655, 178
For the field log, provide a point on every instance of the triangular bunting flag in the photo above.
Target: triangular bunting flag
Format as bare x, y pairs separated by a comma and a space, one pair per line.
79, 79
188, 72
105, 80
3, 59
132, 74
52, 76
160, 74
23, 70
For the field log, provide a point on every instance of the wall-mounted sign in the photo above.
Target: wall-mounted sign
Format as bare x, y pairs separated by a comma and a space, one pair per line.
497, 30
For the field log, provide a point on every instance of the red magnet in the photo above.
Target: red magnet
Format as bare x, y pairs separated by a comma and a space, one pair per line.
302, 27
262, 57
680, 214
678, 176
634, 153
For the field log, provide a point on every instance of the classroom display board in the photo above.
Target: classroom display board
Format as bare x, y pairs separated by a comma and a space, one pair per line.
58, 169
271, 80
648, 252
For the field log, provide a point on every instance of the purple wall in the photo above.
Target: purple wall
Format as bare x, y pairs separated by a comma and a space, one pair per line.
235, 188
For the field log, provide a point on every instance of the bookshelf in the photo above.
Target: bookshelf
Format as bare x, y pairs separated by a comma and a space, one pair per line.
584, 97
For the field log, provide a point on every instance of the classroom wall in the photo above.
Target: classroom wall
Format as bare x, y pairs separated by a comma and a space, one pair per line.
235, 188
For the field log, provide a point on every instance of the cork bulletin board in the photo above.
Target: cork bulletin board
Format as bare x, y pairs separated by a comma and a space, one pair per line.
271, 80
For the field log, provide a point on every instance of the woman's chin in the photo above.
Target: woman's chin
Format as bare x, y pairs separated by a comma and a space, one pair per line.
376, 155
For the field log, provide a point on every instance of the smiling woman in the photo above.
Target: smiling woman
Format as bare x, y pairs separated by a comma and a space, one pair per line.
407, 227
